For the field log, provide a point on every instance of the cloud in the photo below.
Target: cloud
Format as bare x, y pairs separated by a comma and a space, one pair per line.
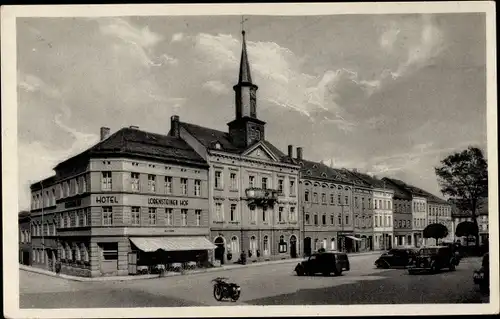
31, 83
216, 87
177, 37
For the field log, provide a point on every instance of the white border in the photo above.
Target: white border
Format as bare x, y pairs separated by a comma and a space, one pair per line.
10, 164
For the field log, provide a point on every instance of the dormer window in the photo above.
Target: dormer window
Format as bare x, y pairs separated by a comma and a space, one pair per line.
218, 146
323, 175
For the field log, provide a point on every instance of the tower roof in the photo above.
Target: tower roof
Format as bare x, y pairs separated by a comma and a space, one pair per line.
244, 76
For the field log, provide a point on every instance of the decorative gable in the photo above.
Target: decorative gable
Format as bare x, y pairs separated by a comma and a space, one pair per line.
260, 151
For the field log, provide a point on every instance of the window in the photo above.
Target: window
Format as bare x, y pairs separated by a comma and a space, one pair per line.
184, 215
66, 185
134, 182
266, 245
280, 214
53, 196
292, 217
106, 182
251, 181
375, 202
218, 180
232, 179
356, 221
323, 198
333, 244
235, 247
404, 223
339, 201
168, 184
152, 216
169, 216
362, 203
184, 186
332, 219
219, 212
346, 200
197, 187
340, 220
68, 220
253, 215
347, 219
233, 212
282, 244
253, 245
356, 203
151, 183
107, 216
84, 253
197, 214
280, 186
136, 216
264, 183
306, 196
332, 199
315, 219
292, 186
369, 203
315, 197
77, 218
264, 215
109, 251
308, 221
376, 220
323, 219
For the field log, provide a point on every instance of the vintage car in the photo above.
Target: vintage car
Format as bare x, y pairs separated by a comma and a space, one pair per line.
396, 257
433, 259
482, 275
325, 263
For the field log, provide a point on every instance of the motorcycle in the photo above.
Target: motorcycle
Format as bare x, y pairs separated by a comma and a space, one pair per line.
224, 289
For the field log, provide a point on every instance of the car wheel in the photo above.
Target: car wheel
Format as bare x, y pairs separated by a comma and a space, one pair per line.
434, 267
338, 272
452, 266
300, 272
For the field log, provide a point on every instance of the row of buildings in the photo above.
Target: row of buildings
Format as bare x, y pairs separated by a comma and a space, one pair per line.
201, 195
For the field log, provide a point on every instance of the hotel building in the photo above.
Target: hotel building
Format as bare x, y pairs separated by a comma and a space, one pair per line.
120, 203
252, 185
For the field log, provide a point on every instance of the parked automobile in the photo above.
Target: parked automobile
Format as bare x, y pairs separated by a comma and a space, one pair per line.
326, 262
482, 275
396, 257
433, 259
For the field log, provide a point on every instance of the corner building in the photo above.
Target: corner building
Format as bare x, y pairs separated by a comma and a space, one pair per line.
252, 185
115, 206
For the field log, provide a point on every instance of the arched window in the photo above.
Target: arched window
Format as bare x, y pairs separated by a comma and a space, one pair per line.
332, 244
235, 247
282, 244
316, 244
63, 251
306, 196
253, 245
324, 244
265, 245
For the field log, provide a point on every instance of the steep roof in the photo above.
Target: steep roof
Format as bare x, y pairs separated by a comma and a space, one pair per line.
359, 179
244, 76
315, 170
135, 142
373, 181
46, 182
399, 192
209, 138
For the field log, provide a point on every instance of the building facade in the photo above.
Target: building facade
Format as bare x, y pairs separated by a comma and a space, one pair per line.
25, 254
419, 217
402, 213
253, 186
326, 206
119, 203
458, 216
383, 231
439, 212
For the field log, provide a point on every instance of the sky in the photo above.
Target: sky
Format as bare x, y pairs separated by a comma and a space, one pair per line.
390, 95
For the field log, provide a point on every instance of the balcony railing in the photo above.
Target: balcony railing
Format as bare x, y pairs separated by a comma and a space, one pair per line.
261, 197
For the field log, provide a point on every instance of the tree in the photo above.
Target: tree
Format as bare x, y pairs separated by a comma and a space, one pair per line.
466, 229
435, 231
463, 176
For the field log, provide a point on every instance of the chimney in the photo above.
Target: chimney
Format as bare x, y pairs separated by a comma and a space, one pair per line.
134, 127
299, 153
105, 133
290, 151
174, 126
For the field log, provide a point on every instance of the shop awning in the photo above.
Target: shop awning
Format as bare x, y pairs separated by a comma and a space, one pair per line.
150, 244
354, 238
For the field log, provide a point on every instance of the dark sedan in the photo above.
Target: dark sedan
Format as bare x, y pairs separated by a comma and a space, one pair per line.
396, 258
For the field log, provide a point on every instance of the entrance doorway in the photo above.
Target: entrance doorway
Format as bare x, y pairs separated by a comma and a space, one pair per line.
307, 246
293, 246
219, 251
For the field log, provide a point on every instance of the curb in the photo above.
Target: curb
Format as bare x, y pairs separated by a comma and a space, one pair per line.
171, 274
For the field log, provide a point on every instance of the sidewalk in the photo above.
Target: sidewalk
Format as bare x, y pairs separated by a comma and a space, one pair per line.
171, 274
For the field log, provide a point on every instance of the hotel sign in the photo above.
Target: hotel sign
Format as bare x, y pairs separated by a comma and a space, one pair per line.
106, 200
167, 202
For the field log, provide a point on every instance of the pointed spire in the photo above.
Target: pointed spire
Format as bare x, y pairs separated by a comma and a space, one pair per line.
244, 76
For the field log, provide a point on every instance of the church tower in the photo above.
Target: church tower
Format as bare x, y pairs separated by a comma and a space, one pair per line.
245, 129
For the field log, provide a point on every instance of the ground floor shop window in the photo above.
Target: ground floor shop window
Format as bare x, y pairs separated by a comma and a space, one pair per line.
265, 245
282, 244
109, 251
